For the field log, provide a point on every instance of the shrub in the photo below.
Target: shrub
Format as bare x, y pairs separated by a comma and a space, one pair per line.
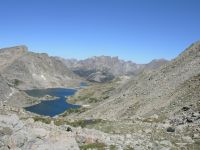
16, 82
42, 119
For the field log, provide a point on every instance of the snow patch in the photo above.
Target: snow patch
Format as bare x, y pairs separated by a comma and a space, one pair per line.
12, 92
43, 77
85, 105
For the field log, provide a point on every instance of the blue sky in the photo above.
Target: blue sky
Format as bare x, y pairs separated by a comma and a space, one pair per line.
137, 30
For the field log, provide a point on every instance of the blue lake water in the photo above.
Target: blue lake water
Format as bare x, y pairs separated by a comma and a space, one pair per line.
83, 84
51, 107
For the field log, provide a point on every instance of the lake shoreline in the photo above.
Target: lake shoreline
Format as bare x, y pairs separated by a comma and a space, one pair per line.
51, 102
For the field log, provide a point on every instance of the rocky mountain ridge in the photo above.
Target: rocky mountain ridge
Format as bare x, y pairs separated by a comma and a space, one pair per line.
106, 68
8, 55
27, 70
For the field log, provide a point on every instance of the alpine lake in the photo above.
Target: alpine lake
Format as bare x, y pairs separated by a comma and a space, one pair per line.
55, 106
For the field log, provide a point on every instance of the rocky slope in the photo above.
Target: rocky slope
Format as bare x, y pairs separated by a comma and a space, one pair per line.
31, 70
155, 64
27, 135
8, 55
9, 95
161, 92
21, 130
106, 68
163, 105
5, 90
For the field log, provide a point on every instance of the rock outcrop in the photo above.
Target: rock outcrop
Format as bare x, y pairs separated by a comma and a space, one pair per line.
100, 77
27, 135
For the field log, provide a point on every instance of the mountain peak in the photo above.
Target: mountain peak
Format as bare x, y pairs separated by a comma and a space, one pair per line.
20, 48
190, 53
10, 54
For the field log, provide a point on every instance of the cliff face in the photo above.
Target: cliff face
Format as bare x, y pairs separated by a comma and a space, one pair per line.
31, 70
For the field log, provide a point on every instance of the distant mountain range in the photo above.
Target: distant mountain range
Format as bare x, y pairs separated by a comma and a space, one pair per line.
106, 68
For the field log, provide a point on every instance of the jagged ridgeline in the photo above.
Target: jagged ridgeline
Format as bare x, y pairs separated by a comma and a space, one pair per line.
106, 68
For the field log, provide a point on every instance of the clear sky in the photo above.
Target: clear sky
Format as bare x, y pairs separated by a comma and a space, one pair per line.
137, 30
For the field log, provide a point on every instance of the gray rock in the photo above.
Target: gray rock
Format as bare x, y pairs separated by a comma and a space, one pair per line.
100, 77
187, 139
6, 131
166, 143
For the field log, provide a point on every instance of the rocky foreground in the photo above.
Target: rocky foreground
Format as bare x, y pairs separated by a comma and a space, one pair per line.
22, 130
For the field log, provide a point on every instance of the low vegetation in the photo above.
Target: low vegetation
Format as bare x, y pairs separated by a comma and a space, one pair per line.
93, 94
16, 82
63, 121
113, 147
98, 146
42, 119
74, 110
77, 123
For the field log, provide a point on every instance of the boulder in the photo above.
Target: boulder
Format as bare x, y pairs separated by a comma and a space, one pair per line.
170, 129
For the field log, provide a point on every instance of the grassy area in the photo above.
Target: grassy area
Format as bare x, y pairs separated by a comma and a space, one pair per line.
112, 147
42, 119
77, 123
98, 146
93, 94
62, 121
74, 110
